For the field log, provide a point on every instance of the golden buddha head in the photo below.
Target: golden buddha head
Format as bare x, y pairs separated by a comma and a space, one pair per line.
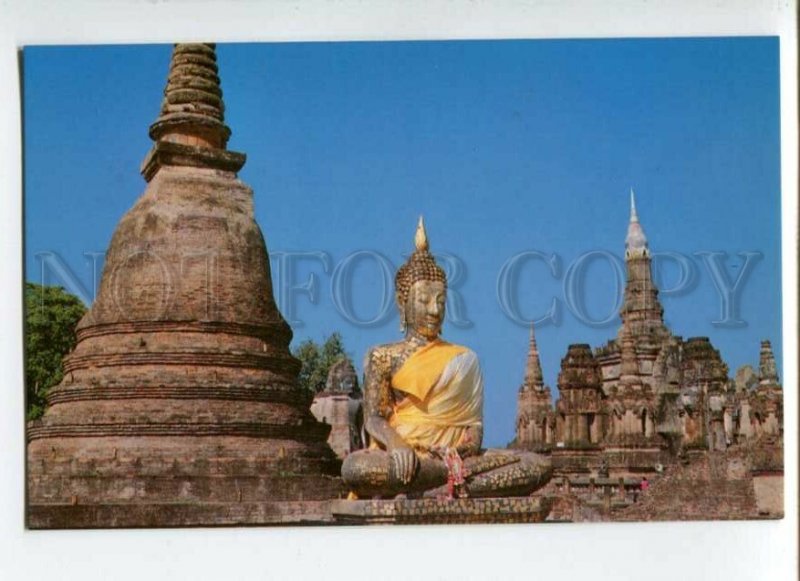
421, 290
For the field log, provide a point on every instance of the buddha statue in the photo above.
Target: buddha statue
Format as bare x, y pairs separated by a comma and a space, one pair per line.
424, 407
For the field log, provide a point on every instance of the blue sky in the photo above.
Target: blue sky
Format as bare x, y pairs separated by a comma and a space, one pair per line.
504, 146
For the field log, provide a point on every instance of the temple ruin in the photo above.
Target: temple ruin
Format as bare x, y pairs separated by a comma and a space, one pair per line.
650, 402
180, 403
340, 405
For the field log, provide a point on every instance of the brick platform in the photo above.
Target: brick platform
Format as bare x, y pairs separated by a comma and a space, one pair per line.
715, 486
62, 516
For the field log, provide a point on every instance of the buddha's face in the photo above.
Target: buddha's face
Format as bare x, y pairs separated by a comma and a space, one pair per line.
424, 309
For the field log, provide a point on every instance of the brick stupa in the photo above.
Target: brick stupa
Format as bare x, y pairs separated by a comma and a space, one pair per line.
179, 404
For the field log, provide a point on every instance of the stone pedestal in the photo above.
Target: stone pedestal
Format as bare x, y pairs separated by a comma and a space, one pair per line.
525, 509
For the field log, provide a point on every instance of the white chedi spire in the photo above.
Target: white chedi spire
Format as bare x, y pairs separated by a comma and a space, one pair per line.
636, 241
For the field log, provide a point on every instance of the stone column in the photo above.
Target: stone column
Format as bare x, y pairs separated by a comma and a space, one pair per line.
594, 429
771, 424
629, 421
584, 427
745, 425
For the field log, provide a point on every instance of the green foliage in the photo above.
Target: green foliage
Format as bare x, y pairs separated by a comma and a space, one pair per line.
51, 314
317, 360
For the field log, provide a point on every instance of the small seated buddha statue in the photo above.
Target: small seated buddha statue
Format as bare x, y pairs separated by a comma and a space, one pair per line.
424, 407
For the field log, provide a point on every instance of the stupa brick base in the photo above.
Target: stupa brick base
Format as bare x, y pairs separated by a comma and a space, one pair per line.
523, 509
293, 513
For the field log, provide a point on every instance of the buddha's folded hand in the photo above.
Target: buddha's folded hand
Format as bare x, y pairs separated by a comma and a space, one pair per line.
404, 461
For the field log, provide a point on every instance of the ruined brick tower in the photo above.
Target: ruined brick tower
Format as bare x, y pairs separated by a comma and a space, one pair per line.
641, 313
580, 407
767, 399
648, 403
628, 362
535, 418
180, 395
341, 406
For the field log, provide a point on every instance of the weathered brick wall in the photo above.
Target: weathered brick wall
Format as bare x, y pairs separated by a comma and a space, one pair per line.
715, 486
567, 507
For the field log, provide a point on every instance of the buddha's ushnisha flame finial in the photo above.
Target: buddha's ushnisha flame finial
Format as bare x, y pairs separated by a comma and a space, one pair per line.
421, 237
420, 266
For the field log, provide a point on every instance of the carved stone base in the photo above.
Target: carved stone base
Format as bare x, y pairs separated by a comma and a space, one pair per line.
295, 513
524, 509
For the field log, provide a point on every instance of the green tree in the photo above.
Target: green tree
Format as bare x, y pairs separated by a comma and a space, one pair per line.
51, 314
317, 360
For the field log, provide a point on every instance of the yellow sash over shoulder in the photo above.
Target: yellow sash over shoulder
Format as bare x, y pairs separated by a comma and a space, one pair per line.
445, 386
422, 369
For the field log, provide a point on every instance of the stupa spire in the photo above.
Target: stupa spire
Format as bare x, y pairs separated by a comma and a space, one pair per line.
535, 420
641, 311
190, 129
533, 366
193, 96
636, 241
767, 369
